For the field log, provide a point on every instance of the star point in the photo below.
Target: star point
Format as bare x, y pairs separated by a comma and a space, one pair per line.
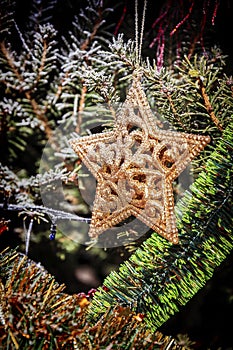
135, 165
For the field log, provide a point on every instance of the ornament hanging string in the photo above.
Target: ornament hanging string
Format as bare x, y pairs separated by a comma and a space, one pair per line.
138, 41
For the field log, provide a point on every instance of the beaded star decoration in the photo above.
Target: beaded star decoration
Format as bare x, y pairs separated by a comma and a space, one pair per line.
135, 165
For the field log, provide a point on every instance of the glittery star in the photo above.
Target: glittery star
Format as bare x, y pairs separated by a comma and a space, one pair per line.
135, 165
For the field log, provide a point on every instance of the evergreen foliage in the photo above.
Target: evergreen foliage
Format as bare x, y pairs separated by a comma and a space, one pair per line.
35, 313
49, 77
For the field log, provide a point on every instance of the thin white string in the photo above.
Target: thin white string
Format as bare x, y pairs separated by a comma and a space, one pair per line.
138, 41
142, 30
136, 31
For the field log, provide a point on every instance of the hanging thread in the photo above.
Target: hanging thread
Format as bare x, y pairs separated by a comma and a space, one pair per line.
138, 41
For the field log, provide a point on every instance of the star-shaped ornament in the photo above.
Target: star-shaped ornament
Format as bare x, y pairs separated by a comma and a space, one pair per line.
135, 165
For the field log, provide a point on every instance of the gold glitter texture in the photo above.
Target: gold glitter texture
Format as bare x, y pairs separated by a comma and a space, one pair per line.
135, 165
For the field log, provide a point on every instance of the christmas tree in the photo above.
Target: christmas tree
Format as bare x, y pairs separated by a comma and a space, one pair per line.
129, 85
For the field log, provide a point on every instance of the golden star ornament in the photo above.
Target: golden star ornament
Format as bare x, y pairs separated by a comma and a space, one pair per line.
135, 165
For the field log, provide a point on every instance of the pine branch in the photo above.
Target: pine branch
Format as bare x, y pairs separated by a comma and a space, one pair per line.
35, 313
26, 83
18, 195
194, 95
159, 277
7, 8
35, 210
208, 106
41, 12
86, 43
